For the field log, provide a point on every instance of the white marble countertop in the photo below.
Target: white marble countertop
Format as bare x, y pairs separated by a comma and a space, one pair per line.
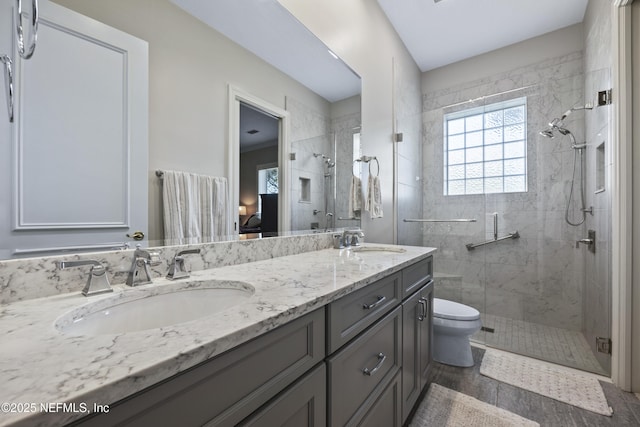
39, 365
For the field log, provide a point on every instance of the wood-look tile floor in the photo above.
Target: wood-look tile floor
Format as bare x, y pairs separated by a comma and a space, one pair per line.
547, 412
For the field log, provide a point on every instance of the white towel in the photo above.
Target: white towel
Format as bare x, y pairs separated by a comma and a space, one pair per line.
374, 197
195, 207
355, 197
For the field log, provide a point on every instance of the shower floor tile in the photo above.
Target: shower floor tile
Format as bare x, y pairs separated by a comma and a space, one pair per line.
561, 346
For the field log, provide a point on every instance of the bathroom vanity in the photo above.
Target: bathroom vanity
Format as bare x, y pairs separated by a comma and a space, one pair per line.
330, 337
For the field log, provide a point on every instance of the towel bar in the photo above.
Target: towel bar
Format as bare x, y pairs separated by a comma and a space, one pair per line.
441, 220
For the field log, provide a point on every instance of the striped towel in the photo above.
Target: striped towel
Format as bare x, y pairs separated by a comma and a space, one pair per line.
195, 207
373, 203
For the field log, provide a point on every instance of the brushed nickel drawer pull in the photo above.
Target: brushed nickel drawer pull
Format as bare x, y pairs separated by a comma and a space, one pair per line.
381, 359
374, 304
423, 306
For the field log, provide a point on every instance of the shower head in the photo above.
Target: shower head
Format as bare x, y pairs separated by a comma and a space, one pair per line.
548, 133
555, 125
326, 159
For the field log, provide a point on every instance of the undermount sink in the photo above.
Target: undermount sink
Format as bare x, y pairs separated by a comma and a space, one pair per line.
378, 249
154, 307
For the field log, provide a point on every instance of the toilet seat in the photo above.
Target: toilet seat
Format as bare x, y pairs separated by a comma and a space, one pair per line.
451, 310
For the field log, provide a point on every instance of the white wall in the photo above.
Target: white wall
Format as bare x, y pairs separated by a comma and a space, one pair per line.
359, 32
190, 65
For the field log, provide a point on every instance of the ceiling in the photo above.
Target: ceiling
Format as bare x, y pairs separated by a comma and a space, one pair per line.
270, 32
447, 31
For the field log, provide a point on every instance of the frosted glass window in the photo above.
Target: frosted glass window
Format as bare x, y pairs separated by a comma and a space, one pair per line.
494, 185
474, 139
493, 136
456, 157
514, 184
456, 142
493, 152
474, 154
486, 149
456, 126
456, 187
513, 149
473, 123
456, 172
493, 168
475, 170
514, 133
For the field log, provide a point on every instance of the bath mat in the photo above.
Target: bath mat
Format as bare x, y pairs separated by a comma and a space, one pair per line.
444, 407
557, 383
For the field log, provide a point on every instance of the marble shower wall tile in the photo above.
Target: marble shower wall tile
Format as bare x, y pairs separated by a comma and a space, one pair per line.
538, 277
310, 133
23, 279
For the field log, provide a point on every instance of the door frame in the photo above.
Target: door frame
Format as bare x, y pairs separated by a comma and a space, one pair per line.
236, 96
623, 360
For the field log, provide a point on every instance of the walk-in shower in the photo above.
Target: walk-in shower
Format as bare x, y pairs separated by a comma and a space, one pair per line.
327, 185
557, 125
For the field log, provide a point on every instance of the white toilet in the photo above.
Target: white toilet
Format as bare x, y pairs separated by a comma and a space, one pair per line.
453, 324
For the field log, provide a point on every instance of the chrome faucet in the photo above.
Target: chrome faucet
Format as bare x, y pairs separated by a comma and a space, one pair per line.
351, 237
97, 283
177, 269
139, 273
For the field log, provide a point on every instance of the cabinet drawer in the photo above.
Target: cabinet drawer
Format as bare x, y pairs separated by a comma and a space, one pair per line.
352, 314
228, 388
362, 367
416, 275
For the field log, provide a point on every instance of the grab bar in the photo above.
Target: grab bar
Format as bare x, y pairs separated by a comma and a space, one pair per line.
440, 220
26, 53
472, 246
8, 82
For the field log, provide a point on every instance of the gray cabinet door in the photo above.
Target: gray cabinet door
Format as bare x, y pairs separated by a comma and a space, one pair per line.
303, 404
411, 369
228, 388
417, 315
426, 334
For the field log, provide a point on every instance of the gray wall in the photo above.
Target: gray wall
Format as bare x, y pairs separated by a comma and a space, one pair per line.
190, 66
537, 278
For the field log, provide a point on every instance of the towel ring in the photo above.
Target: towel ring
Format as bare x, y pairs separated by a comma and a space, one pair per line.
377, 163
26, 53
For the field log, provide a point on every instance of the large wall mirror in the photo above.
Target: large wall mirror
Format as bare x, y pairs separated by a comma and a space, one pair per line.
197, 51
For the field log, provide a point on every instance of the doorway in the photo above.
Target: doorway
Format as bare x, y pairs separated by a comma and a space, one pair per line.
258, 135
259, 184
